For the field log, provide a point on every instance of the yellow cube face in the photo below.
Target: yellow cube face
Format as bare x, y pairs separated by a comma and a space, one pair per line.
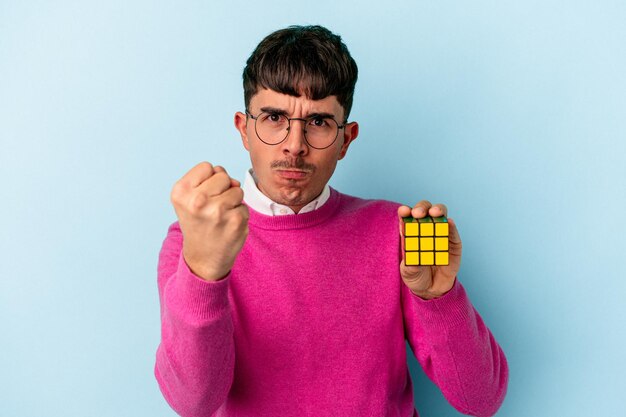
441, 258
427, 229
427, 243
412, 258
427, 258
411, 229
441, 243
441, 229
411, 243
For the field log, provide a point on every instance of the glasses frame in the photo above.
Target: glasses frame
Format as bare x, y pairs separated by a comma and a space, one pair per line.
289, 119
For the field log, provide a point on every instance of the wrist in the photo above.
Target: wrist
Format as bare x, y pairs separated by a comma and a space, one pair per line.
206, 272
208, 275
427, 295
433, 293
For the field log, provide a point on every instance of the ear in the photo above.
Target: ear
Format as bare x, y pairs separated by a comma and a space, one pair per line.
241, 125
350, 133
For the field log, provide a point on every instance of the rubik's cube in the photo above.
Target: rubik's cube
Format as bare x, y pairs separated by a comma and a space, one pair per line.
426, 241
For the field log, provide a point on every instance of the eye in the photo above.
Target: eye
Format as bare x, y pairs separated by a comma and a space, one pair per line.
274, 117
318, 122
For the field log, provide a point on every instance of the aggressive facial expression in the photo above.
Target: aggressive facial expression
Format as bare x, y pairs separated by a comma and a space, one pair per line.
292, 173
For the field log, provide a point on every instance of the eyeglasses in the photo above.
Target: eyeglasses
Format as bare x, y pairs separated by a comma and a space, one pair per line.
319, 131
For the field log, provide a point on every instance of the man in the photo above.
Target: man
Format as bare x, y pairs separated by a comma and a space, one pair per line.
289, 298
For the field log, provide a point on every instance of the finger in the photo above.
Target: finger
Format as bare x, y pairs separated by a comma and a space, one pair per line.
233, 182
453, 236
216, 185
232, 198
197, 175
420, 209
438, 210
404, 211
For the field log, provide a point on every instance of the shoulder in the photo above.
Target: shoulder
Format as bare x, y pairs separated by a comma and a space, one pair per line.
372, 208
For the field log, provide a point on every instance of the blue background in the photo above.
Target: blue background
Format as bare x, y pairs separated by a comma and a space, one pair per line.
511, 113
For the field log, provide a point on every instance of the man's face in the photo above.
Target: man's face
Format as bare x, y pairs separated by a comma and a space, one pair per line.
274, 165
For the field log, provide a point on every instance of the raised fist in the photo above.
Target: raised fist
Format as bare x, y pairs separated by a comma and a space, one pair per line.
212, 218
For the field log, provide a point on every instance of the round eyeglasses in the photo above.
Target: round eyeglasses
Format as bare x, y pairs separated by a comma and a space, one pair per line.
319, 131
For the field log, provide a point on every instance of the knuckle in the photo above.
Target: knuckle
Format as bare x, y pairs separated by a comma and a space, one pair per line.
177, 192
239, 194
245, 211
237, 218
238, 222
216, 210
198, 201
174, 195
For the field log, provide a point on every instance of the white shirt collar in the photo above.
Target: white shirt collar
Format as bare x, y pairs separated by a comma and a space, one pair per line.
263, 204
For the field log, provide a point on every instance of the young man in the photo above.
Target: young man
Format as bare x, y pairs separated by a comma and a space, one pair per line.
289, 298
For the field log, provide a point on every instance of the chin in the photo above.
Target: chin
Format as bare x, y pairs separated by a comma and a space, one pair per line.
292, 197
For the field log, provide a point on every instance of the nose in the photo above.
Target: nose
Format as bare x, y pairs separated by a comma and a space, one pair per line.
295, 142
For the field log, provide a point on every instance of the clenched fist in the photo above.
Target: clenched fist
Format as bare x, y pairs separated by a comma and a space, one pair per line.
212, 218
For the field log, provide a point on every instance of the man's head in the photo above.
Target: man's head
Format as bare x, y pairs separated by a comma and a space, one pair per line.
297, 72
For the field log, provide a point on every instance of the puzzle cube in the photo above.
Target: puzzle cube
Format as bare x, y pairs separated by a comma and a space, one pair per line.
426, 241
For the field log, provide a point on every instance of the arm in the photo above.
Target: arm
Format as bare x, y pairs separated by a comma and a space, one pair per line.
196, 356
447, 335
456, 350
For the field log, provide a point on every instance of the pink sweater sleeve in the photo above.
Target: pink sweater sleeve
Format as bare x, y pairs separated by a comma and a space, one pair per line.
456, 350
196, 356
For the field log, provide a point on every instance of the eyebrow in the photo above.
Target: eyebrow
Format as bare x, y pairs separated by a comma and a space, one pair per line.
283, 112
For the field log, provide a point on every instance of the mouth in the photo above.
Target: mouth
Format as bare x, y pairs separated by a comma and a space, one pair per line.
292, 173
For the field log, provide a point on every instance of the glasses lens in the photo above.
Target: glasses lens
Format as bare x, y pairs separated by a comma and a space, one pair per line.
321, 131
271, 127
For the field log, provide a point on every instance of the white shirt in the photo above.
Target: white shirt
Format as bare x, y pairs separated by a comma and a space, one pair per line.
263, 204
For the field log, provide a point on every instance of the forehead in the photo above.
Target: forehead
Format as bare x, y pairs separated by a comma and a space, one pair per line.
292, 104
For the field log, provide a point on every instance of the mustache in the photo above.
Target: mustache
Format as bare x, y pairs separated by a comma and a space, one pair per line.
298, 164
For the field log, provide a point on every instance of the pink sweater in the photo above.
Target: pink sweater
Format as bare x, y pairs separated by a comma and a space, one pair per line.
312, 321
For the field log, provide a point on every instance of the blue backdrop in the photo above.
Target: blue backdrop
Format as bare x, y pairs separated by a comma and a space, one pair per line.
511, 113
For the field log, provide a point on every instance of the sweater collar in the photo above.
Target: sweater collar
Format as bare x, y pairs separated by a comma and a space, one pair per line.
296, 221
